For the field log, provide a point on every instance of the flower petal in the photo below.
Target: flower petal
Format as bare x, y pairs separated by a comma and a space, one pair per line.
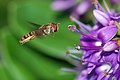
115, 1
102, 68
112, 59
103, 77
111, 46
101, 17
90, 41
61, 5
82, 75
107, 33
83, 7
94, 58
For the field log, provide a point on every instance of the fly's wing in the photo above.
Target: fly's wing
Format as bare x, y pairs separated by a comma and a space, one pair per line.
34, 24
43, 26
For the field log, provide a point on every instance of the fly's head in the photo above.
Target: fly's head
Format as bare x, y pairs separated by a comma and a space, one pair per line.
55, 26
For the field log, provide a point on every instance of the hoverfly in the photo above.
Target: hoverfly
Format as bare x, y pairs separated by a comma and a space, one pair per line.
42, 31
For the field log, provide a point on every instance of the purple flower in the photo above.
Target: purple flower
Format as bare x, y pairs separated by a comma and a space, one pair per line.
78, 8
101, 48
115, 1
62, 5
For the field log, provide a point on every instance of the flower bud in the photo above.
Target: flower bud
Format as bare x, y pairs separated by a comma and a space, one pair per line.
101, 17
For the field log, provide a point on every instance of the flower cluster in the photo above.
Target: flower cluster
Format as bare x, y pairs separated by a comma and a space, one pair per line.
100, 45
115, 1
77, 7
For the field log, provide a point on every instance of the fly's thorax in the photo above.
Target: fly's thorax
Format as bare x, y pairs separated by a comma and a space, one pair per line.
39, 32
48, 29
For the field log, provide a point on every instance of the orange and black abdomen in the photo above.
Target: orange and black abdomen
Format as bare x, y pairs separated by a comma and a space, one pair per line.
27, 37
32, 35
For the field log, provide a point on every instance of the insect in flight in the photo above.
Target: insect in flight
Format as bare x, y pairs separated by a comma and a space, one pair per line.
42, 31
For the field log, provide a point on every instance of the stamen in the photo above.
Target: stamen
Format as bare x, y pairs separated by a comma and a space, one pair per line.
96, 6
68, 69
73, 28
67, 52
73, 52
106, 73
75, 57
94, 2
81, 25
108, 9
100, 7
83, 60
77, 47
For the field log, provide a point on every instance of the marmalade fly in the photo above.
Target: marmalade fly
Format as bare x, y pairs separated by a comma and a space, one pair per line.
42, 31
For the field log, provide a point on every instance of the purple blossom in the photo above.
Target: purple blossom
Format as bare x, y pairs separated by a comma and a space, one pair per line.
78, 8
115, 1
101, 48
62, 5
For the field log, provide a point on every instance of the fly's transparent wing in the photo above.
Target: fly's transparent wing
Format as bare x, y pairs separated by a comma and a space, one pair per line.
34, 24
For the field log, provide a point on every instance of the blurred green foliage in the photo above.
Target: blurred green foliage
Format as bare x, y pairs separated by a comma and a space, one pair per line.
39, 59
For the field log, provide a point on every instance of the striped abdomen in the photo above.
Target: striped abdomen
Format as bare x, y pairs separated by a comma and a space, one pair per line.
27, 37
